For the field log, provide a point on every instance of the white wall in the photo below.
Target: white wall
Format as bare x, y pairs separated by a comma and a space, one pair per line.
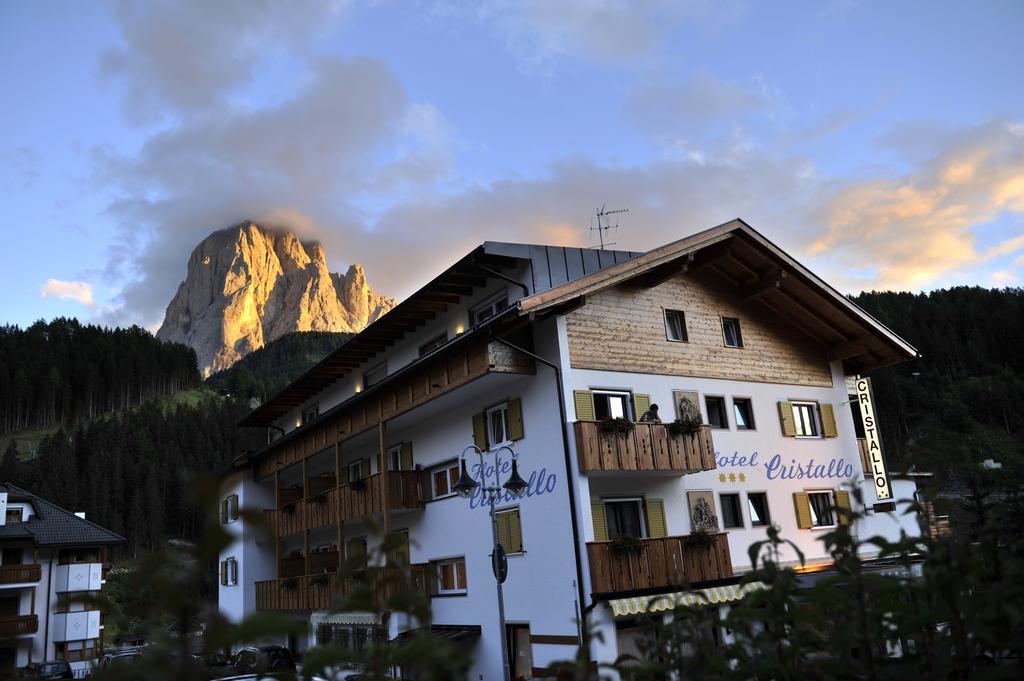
255, 555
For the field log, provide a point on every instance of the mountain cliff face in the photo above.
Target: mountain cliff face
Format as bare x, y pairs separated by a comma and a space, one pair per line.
247, 285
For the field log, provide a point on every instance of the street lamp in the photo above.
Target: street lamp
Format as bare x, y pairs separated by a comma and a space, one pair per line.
465, 487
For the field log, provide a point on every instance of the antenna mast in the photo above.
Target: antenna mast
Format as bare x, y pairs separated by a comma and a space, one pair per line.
602, 228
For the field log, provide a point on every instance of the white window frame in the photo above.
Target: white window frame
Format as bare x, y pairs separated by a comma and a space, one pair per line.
231, 570
358, 463
489, 302
627, 394
230, 517
459, 590
641, 510
798, 422
739, 510
374, 369
750, 402
739, 332
681, 316
446, 466
395, 457
767, 508
831, 504
522, 541
492, 441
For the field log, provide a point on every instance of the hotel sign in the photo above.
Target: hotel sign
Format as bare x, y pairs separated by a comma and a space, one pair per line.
874, 443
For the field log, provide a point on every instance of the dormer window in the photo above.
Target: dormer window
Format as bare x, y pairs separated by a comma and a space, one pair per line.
15, 515
489, 308
310, 413
433, 343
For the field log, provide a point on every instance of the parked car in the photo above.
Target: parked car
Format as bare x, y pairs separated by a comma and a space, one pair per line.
260, 660
57, 669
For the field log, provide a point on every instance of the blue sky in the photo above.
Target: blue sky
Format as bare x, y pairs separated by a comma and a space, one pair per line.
881, 143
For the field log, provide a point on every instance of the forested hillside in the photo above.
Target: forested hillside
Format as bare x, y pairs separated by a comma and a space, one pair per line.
960, 402
65, 372
265, 371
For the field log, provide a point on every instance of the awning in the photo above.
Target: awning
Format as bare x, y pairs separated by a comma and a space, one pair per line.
714, 595
353, 618
449, 632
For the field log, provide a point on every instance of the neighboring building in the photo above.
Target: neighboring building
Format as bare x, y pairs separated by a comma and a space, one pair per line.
536, 348
48, 557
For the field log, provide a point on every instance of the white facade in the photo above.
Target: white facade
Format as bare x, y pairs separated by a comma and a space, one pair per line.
543, 589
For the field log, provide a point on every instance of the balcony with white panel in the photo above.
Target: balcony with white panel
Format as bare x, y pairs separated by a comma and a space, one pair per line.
78, 577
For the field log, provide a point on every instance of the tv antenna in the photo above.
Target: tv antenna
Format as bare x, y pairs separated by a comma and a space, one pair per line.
602, 228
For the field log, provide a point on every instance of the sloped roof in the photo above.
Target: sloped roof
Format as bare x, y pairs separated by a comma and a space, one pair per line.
51, 525
761, 272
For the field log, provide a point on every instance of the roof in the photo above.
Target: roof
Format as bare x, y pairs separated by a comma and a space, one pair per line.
51, 525
761, 272
549, 266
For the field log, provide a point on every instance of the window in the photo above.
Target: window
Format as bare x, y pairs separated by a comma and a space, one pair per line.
13, 515
357, 470
68, 556
400, 457
375, 375
757, 506
510, 533
356, 553
675, 326
229, 509
625, 518
612, 405
805, 420
743, 412
497, 426
821, 504
434, 343
489, 308
716, 411
732, 515
451, 576
229, 572
443, 478
310, 413
731, 332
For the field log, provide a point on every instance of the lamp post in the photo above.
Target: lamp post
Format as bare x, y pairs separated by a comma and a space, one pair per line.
516, 486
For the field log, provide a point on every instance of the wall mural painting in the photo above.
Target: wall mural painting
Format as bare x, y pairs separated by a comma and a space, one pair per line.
702, 511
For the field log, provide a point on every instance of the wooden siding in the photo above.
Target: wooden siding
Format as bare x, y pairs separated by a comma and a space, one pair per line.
623, 329
20, 574
649, 447
865, 460
318, 592
668, 561
434, 378
16, 625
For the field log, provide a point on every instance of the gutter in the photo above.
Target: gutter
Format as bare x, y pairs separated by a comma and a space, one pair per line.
569, 478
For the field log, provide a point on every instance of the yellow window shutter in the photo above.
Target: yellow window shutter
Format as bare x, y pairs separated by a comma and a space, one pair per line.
641, 403
803, 510
600, 520
786, 419
406, 456
515, 532
584, 400
480, 430
515, 419
364, 468
843, 507
828, 420
504, 535
656, 518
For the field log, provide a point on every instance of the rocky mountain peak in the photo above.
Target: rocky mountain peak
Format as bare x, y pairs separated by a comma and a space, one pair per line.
247, 285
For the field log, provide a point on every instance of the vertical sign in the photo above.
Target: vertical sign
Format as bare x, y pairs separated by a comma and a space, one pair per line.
874, 443
3, 508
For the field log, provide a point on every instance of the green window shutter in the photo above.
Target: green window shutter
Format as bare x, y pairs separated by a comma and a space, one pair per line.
803, 510
584, 405
515, 532
828, 420
786, 418
515, 419
364, 467
843, 507
600, 520
480, 430
405, 458
641, 403
656, 519
504, 536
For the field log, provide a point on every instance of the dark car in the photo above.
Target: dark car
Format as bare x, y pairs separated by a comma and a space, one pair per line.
58, 669
261, 659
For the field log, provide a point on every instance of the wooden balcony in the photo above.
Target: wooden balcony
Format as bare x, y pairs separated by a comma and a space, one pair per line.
664, 562
365, 497
648, 447
319, 591
18, 625
20, 574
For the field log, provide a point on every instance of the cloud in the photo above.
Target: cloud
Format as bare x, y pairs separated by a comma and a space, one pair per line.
78, 291
916, 228
191, 55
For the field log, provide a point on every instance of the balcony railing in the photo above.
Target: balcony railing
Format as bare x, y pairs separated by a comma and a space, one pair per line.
20, 574
319, 591
667, 561
366, 496
647, 447
16, 625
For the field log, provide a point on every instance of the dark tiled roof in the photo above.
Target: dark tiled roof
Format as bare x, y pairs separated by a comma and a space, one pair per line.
51, 525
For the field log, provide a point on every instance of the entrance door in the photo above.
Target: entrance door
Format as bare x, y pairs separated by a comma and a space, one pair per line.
520, 657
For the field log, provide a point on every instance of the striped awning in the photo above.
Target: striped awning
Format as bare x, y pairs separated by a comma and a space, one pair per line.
714, 595
350, 618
